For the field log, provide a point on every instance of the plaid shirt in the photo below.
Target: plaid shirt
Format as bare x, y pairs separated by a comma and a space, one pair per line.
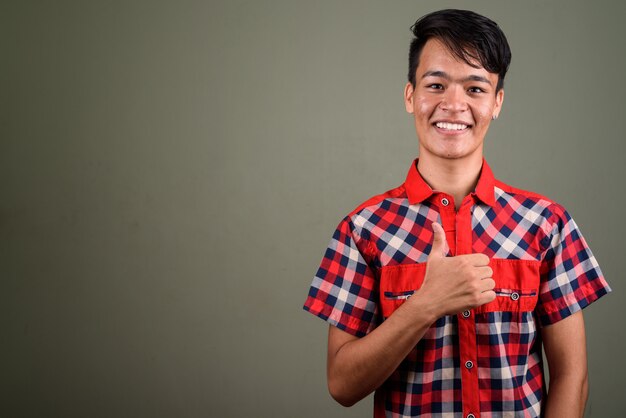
483, 362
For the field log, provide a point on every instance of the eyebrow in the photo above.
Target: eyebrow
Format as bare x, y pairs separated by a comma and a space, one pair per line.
442, 74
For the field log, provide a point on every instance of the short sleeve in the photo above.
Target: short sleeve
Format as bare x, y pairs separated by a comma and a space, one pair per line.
344, 292
571, 278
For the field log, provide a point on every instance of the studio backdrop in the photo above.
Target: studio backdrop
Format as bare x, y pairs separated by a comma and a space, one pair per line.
172, 171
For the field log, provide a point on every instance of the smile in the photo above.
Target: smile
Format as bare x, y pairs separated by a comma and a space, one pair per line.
451, 126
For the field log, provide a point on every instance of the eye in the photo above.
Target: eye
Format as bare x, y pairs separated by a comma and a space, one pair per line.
435, 86
476, 90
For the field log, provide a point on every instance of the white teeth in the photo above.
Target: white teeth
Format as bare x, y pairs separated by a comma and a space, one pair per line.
451, 126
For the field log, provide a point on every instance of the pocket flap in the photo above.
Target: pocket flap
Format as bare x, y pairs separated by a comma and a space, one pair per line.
397, 284
517, 286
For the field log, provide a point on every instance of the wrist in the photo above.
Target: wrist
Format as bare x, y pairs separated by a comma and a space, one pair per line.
424, 306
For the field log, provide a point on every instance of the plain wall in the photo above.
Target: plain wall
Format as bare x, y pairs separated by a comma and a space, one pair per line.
172, 171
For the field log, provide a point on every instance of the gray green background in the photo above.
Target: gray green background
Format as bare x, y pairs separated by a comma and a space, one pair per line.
171, 172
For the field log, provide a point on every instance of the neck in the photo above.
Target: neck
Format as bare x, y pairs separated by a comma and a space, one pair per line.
457, 178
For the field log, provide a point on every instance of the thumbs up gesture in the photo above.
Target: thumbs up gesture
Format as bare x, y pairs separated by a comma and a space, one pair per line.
440, 246
453, 284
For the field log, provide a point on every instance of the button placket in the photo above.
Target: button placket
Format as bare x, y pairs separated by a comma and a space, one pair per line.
470, 388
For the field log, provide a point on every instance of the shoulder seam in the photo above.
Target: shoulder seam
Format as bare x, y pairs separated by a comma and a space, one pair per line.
374, 200
514, 190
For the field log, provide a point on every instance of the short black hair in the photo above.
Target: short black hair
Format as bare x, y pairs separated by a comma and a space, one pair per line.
471, 37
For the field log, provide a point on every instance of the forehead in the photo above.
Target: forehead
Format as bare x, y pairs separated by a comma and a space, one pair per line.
436, 56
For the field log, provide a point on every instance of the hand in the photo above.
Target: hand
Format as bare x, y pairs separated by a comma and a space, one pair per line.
453, 284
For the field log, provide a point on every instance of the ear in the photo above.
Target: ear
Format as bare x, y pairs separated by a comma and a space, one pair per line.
499, 100
409, 104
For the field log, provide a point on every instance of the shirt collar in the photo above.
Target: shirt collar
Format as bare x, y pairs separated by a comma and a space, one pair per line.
418, 190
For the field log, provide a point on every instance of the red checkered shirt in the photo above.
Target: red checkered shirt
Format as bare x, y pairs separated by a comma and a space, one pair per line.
485, 362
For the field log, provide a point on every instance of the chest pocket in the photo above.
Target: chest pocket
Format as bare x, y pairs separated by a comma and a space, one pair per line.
398, 283
517, 285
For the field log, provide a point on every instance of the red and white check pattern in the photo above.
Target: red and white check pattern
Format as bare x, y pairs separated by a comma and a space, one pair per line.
487, 361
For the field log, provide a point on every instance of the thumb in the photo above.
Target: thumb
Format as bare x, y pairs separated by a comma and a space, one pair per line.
440, 243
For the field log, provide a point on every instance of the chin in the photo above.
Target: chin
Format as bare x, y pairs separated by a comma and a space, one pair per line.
453, 153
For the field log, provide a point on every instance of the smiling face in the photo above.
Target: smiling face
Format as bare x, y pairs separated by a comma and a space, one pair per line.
453, 104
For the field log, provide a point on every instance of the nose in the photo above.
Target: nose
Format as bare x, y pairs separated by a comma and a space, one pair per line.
453, 100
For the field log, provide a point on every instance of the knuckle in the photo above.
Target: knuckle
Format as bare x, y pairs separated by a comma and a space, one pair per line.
475, 287
476, 299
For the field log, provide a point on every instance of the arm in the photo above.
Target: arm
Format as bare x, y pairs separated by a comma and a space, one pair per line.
565, 347
357, 366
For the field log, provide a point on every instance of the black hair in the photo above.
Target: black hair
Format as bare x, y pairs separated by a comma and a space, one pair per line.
469, 36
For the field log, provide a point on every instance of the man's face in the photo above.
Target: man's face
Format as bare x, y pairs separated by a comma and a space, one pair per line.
453, 104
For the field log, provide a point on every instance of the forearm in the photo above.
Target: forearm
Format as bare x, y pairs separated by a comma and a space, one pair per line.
565, 347
567, 396
360, 366
357, 366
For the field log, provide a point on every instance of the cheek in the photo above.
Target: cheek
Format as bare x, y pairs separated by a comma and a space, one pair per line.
483, 114
424, 107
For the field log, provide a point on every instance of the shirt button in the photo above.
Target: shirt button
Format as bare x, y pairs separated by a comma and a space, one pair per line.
469, 364
466, 314
515, 296
445, 201
471, 416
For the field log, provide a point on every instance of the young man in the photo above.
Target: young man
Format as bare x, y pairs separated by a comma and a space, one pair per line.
441, 293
